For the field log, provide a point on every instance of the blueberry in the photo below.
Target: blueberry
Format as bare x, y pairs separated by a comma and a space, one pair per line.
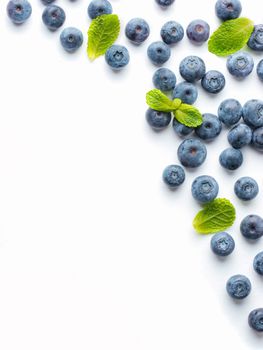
181, 129
71, 39
213, 82
228, 9
117, 57
251, 227
198, 31
192, 153
231, 158
159, 52
172, 32
205, 189
240, 136
186, 92
260, 70
210, 128
173, 176
53, 17
158, 120
137, 30
47, 2
192, 68
222, 244
258, 263
238, 287
164, 3
256, 39
257, 139
230, 112
240, 65
19, 11
164, 79
253, 113
99, 7
255, 320
246, 188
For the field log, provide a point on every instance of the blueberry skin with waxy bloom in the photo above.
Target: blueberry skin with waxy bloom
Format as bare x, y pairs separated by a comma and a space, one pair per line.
137, 30
230, 112
256, 40
260, 70
231, 159
173, 176
172, 32
253, 113
164, 79
192, 153
53, 17
117, 57
205, 189
258, 263
181, 129
251, 227
246, 188
240, 64
255, 320
213, 82
240, 136
165, 3
19, 11
210, 128
97, 8
257, 139
159, 52
71, 39
228, 9
158, 120
192, 68
238, 287
222, 244
186, 92
198, 31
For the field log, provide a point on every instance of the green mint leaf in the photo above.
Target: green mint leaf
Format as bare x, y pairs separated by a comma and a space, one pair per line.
103, 32
160, 102
231, 36
188, 115
216, 216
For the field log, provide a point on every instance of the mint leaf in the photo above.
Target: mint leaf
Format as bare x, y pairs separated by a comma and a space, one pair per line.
216, 216
160, 102
231, 36
188, 115
103, 32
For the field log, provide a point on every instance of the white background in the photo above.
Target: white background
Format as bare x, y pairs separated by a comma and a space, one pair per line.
95, 252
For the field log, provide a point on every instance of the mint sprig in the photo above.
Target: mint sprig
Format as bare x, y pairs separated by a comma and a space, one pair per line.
103, 32
231, 36
216, 216
184, 113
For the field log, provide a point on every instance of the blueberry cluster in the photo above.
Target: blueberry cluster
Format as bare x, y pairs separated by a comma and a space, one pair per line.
245, 125
53, 18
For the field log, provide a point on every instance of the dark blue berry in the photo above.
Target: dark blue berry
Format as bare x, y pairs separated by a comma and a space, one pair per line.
251, 227
159, 52
260, 70
231, 159
240, 136
71, 39
222, 244
181, 129
53, 17
257, 139
256, 40
258, 263
137, 30
198, 31
255, 320
213, 82
172, 32
240, 64
164, 3
253, 113
117, 57
99, 7
173, 176
164, 79
186, 92
158, 120
228, 9
205, 189
192, 153
210, 128
238, 287
192, 68
19, 11
246, 188
230, 112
